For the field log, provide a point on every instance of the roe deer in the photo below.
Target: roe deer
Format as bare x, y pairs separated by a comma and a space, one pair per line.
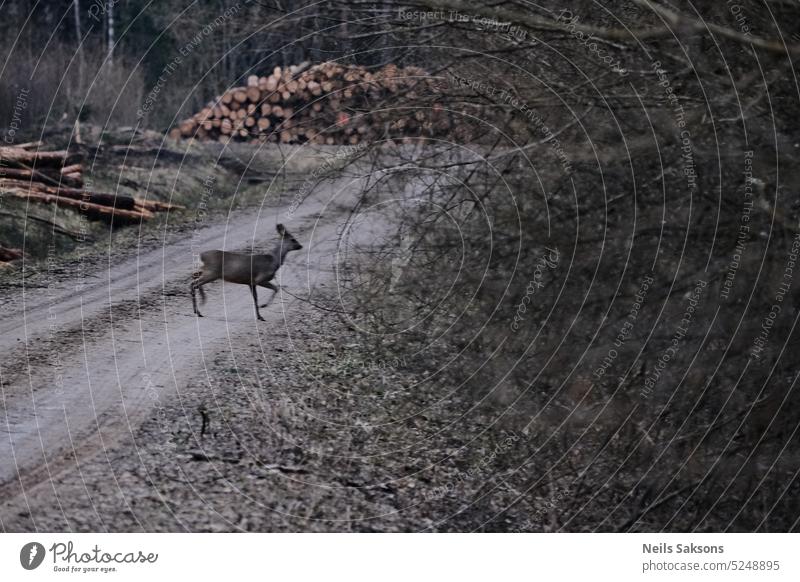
247, 269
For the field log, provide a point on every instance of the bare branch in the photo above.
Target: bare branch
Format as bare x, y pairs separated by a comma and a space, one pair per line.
671, 19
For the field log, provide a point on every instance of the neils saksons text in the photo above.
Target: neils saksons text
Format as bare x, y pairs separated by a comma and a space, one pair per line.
664, 548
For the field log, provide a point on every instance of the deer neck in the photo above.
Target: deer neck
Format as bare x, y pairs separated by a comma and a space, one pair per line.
279, 252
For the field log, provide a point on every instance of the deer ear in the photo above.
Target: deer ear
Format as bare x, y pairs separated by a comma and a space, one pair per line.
280, 229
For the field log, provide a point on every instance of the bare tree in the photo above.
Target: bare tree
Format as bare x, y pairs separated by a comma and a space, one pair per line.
110, 24
76, 6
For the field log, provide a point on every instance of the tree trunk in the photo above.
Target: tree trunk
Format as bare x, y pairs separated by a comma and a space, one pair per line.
110, 20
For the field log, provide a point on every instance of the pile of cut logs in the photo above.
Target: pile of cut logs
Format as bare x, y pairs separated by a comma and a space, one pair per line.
56, 178
328, 103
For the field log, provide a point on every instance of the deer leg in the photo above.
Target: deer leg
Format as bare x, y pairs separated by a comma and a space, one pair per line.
269, 285
197, 284
255, 301
194, 302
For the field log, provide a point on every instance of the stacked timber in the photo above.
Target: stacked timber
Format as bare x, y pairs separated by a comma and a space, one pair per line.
328, 103
56, 177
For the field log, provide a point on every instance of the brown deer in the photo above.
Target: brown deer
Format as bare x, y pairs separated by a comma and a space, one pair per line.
244, 268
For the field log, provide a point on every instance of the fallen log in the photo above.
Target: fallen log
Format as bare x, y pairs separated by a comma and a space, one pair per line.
14, 157
74, 168
8, 255
70, 179
50, 177
91, 209
114, 200
157, 205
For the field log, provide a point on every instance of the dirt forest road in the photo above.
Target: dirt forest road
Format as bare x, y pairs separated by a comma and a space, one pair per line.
84, 360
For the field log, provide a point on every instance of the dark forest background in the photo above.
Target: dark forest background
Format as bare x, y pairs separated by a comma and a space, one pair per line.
673, 161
